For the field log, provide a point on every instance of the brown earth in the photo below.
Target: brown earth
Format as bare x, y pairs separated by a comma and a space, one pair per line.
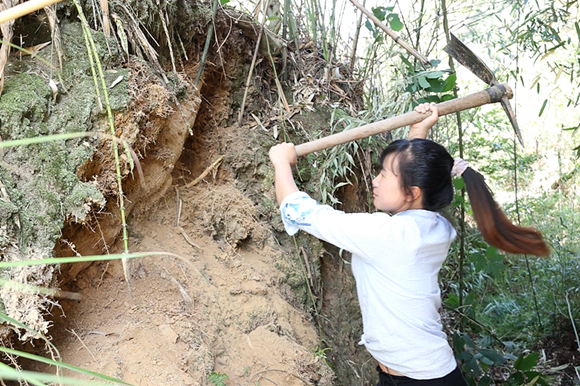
230, 297
222, 307
220, 310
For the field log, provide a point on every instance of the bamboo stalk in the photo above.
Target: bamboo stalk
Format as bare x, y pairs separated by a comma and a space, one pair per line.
106, 20
207, 42
89, 37
164, 24
356, 36
285, 18
55, 34
249, 80
393, 35
421, 13
281, 96
24, 9
460, 142
93, 71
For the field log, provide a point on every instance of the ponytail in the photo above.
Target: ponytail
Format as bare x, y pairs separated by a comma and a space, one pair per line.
427, 165
494, 225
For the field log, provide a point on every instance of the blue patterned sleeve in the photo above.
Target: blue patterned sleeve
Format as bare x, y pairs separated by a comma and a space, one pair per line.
295, 209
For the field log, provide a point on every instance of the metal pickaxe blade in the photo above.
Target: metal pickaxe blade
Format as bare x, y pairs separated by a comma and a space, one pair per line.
459, 51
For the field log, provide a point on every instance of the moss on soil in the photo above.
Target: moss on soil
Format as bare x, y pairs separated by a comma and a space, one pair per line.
40, 179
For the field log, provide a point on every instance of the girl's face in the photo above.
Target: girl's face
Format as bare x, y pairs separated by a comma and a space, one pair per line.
387, 192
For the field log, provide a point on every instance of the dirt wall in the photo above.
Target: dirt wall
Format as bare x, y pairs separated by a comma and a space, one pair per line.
231, 212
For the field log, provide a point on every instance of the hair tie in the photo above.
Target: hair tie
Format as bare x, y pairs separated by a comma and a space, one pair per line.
459, 167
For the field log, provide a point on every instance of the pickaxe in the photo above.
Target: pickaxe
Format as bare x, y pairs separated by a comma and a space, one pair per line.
491, 95
458, 51
497, 93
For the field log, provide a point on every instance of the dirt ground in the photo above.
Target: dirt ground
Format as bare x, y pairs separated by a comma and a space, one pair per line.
218, 310
229, 304
222, 307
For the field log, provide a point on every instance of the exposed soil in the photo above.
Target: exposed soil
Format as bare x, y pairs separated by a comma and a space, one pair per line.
223, 307
223, 311
231, 295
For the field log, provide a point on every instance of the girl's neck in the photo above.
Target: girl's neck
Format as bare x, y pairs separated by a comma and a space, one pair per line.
410, 205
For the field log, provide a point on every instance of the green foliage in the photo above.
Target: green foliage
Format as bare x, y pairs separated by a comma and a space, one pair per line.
383, 14
217, 379
479, 358
433, 82
321, 353
491, 262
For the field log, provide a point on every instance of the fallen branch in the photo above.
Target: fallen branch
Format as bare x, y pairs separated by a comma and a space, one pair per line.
186, 237
206, 172
393, 35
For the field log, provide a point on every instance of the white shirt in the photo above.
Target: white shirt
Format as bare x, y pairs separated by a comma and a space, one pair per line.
395, 262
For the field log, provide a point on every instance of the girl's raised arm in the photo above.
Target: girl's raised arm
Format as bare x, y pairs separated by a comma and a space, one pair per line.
283, 157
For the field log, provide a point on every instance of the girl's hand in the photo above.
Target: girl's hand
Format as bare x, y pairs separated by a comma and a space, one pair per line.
283, 154
419, 130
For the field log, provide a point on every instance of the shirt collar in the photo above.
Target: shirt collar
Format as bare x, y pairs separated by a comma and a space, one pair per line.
417, 213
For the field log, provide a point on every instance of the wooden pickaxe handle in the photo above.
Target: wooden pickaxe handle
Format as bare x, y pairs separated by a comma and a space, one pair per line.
24, 9
491, 95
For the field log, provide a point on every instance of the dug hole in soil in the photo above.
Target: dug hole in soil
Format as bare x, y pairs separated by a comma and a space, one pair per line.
223, 308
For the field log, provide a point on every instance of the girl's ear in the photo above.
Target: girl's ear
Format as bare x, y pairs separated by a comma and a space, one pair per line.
416, 194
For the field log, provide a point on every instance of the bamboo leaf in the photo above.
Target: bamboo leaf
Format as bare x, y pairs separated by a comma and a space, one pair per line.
423, 82
577, 30
458, 183
543, 107
29, 52
369, 26
9, 374
380, 13
493, 356
60, 364
450, 83
78, 259
526, 362
395, 22
447, 97
6, 372
46, 138
536, 81
35, 289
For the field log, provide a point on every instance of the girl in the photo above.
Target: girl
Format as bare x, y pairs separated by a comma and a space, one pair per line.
396, 258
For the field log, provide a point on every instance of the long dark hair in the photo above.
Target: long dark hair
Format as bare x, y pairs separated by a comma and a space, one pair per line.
427, 165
